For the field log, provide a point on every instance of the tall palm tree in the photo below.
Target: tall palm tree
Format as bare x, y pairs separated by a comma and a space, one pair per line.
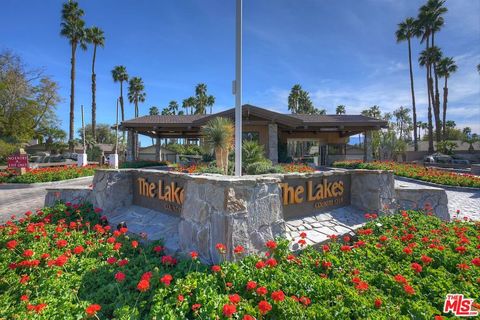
340, 109
188, 103
426, 59
407, 30
73, 28
445, 68
96, 37
136, 92
202, 100
294, 98
119, 74
431, 21
153, 111
219, 134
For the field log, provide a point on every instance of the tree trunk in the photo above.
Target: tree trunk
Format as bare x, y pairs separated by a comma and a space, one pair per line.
219, 158
94, 88
429, 126
71, 134
225, 163
122, 110
436, 103
414, 109
445, 95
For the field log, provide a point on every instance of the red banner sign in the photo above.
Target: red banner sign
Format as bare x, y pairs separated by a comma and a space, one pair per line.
18, 161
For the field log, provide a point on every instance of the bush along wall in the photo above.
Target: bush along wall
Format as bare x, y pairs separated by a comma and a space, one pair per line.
65, 262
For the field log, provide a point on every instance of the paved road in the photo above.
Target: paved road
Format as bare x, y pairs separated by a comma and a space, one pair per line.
19, 201
467, 201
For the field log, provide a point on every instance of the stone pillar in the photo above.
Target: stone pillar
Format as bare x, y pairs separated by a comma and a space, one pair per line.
373, 191
158, 150
273, 142
367, 147
130, 146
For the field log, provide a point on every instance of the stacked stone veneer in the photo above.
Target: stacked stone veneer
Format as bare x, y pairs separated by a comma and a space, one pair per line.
244, 211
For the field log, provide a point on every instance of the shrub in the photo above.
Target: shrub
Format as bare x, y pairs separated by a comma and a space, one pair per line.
263, 167
47, 174
64, 262
252, 152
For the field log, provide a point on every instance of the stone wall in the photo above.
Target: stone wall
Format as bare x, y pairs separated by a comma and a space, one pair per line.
373, 190
112, 189
75, 195
425, 198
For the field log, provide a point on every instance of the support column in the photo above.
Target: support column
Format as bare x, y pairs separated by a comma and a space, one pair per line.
273, 142
158, 150
367, 147
130, 146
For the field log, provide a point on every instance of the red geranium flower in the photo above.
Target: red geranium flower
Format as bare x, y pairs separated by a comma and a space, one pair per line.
326, 264
248, 317
476, 262
194, 255
122, 262
216, 268
196, 306
120, 276
166, 279
180, 298
463, 266
24, 298
234, 298
92, 309
362, 286
143, 285
426, 259
408, 289
78, 250
271, 244
302, 242
260, 264
271, 262
12, 244
400, 279
229, 310
61, 243
325, 248
305, 301
407, 250
346, 248
461, 249
111, 260
378, 303
158, 249
303, 235
238, 249
28, 253
134, 244
251, 285
264, 307
221, 247
278, 295
262, 291
383, 238
416, 267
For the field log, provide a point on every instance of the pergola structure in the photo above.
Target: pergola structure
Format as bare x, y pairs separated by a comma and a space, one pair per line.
269, 127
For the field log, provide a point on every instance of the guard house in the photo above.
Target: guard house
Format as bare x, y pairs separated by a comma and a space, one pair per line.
319, 139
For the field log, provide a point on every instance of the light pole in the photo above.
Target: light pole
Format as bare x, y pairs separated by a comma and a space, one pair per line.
238, 90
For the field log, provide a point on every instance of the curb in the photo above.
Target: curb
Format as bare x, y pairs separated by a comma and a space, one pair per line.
8, 186
442, 186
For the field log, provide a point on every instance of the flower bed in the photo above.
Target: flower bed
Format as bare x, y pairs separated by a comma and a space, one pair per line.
418, 172
65, 263
47, 174
281, 168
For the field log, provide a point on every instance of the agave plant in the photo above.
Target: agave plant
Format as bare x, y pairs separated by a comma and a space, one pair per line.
219, 135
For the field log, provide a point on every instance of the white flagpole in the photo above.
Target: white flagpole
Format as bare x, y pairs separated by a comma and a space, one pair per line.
238, 90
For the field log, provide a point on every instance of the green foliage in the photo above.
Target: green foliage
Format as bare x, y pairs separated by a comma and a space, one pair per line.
185, 149
446, 147
317, 284
47, 174
263, 167
6, 149
94, 153
252, 152
299, 102
105, 134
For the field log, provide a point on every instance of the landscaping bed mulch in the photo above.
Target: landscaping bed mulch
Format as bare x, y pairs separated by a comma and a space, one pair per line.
65, 262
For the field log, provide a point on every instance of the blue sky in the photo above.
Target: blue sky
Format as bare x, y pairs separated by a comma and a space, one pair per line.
342, 52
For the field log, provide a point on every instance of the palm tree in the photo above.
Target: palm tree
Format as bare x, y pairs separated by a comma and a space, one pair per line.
119, 74
426, 59
294, 98
478, 68
340, 109
153, 111
136, 92
173, 107
73, 28
431, 20
406, 31
96, 37
445, 68
219, 134
202, 100
188, 103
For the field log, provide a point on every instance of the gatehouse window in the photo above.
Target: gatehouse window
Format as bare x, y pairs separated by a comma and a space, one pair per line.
251, 136
303, 150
